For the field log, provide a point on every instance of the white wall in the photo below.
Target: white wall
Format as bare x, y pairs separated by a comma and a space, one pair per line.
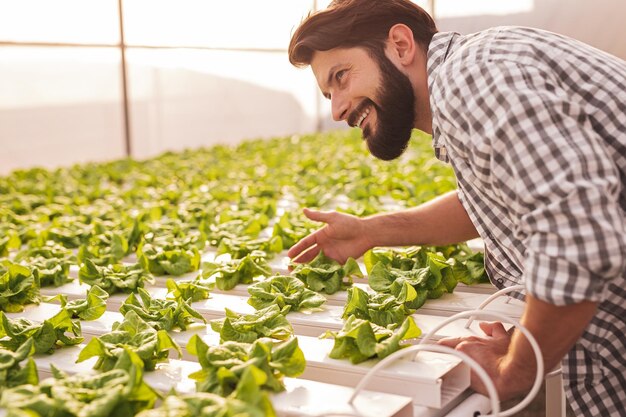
214, 97
600, 23
59, 106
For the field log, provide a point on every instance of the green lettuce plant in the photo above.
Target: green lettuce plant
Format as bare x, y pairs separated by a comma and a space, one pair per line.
114, 278
104, 249
51, 260
70, 231
411, 280
19, 286
223, 366
246, 328
161, 260
323, 274
90, 308
194, 290
12, 374
382, 309
119, 392
161, 314
229, 273
133, 334
293, 226
360, 340
248, 400
9, 240
287, 292
240, 246
56, 331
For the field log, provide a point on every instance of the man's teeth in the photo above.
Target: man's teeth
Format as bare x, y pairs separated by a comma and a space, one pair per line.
363, 116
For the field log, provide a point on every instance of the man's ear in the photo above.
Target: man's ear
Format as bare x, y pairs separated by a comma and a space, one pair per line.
401, 45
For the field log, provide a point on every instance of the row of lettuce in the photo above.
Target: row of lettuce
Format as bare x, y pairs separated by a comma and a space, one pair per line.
166, 210
161, 214
256, 351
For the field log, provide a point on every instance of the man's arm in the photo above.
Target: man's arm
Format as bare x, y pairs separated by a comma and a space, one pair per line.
510, 361
442, 220
556, 328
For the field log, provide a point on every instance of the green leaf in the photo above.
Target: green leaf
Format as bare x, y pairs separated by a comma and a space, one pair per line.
19, 286
267, 322
284, 291
114, 278
323, 274
360, 340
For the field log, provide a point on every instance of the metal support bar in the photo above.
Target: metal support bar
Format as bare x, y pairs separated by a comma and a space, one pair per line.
126, 104
555, 396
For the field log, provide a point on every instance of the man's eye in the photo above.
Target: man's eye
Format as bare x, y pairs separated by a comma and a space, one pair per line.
339, 75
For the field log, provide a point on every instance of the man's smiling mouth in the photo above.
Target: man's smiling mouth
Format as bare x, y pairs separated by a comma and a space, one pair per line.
365, 113
360, 114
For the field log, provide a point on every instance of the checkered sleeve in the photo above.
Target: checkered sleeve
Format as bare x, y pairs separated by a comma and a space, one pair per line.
551, 168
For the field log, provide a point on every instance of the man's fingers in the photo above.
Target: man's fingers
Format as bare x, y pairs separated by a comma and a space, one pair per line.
499, 331
318, 216
450, 341
493, 329
308, 255
486, 327
303, 245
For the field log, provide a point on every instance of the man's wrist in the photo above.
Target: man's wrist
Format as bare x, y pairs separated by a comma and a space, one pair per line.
514, 377
371, 231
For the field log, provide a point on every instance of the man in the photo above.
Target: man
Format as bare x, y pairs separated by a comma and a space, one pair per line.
534, 125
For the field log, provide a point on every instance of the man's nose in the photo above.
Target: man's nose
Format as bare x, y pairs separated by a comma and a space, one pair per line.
340, 107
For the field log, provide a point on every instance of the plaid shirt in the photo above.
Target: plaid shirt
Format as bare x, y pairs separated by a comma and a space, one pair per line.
534, 125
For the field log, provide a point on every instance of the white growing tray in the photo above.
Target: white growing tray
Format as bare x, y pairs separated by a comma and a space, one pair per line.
446, 305
280, 265
432, 380
306, 324
300, 398
464, 297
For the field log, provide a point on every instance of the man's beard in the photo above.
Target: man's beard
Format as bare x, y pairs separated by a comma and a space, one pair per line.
395, 113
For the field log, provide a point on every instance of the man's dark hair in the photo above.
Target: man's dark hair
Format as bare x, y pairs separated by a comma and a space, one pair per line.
362, 23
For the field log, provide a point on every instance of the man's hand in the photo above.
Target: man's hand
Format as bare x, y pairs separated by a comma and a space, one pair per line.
344, 236
490, 353
441, 221
510, 361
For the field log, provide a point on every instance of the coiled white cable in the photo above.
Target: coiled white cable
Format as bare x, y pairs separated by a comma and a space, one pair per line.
482, 374
492, 297
503, 318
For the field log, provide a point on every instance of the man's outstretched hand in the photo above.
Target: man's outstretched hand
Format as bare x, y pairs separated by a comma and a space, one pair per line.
344, 236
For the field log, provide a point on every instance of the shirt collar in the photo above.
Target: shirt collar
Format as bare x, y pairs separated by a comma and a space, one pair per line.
438, 51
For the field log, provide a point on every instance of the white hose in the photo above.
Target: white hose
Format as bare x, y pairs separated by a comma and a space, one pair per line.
492, 297
503, 318
482, 374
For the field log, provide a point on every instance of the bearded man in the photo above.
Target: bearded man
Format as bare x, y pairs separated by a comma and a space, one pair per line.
534, 126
